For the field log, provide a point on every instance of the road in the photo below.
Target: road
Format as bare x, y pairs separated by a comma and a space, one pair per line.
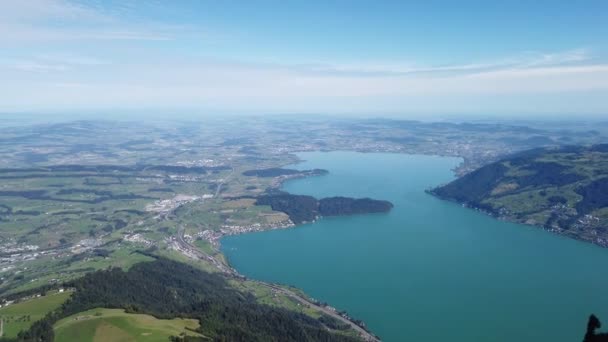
185, 245
193, 250
219, 186
362, 332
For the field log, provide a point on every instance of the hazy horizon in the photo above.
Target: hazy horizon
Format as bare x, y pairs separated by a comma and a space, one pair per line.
200, 115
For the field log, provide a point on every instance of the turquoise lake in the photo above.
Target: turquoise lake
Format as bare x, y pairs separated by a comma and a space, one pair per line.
429, 270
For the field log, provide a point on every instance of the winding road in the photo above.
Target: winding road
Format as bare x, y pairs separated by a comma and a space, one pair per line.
185, 245
362, 332
219, 186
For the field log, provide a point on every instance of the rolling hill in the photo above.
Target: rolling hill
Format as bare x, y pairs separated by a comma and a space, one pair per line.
564, 190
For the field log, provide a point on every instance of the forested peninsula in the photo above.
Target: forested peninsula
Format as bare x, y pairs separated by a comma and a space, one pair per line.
303, 208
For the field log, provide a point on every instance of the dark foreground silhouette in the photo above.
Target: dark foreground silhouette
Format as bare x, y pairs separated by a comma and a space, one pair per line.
591, 335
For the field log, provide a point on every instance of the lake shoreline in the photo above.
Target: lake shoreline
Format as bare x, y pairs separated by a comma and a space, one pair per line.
497, 216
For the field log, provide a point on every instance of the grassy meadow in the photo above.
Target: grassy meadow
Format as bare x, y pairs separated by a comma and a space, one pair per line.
99, 325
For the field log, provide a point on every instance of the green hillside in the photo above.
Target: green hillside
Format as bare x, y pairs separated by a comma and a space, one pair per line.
114, 324
178, 296
564, 190
20, 316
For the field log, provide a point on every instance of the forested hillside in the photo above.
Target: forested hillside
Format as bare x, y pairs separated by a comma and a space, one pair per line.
169, 289
564, 190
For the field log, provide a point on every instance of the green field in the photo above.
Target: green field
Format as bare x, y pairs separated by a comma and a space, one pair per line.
99, 325
20, 316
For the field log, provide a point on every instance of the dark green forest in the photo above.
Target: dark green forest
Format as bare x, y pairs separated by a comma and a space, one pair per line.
168, 289
302, 208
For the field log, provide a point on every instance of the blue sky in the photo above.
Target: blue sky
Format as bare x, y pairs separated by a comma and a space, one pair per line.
366, 57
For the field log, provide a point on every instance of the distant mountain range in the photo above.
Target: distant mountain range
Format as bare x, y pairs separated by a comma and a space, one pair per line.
564, 190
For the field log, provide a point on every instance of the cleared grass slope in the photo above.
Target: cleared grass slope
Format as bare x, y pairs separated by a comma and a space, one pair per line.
100, 325
21, 316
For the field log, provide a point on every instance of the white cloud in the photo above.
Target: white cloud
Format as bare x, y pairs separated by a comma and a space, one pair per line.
521, 61
32, 21
38, 67
40, 11
60, 75
228, 85
72, 59
50, 62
